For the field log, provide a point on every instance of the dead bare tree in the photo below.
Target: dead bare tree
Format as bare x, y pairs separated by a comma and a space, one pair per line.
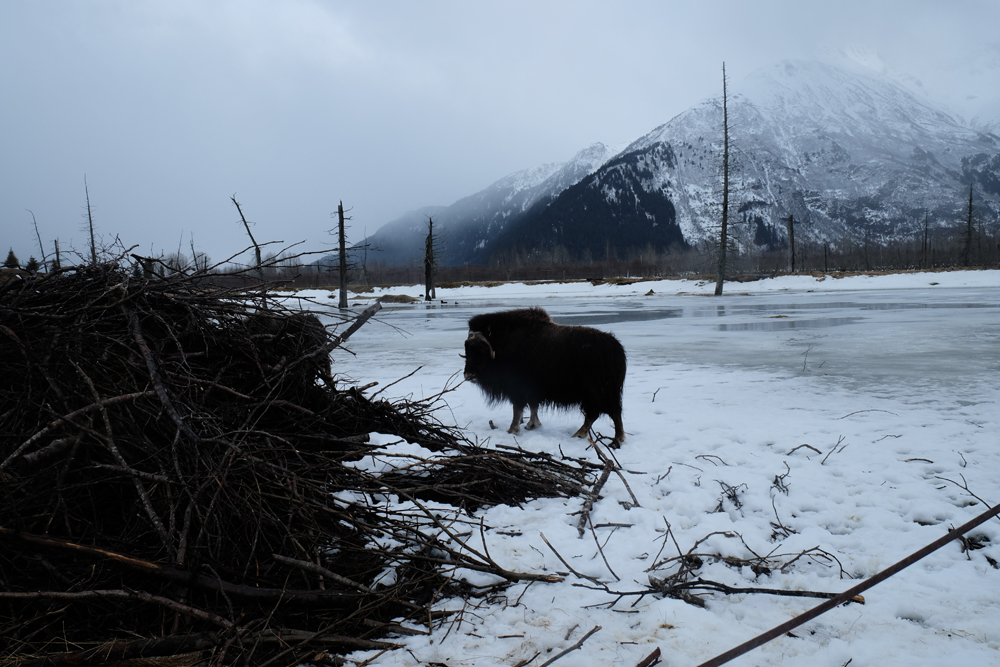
429, 264
90, 223
249, 233
342, 238
967, 247
724, 229
923, 248
41, 248
199, 259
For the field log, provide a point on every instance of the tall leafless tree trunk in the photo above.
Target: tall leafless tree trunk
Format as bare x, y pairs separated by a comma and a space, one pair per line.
90, 222
342, 237
791, 239
868, 234
923, 249
41, 248
250, 234
967, 250
429, 291
724, 229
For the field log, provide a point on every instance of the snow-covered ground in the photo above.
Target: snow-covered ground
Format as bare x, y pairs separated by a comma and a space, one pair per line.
891, 381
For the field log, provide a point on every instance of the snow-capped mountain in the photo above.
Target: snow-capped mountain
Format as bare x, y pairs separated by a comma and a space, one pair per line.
472, 222
843, 145
838, 147
844, 148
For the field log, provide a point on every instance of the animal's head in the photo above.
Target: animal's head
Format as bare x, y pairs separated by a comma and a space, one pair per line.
478, 355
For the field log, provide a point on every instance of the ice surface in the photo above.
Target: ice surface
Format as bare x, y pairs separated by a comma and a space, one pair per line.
892, 379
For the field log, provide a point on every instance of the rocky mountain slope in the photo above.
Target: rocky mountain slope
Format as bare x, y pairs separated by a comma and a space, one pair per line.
470, 223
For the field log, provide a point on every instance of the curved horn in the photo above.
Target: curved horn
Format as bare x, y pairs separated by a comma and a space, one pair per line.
479, 334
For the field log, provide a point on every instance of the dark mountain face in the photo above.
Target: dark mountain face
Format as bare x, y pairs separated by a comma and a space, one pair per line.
620, 208
983, 172
466, 226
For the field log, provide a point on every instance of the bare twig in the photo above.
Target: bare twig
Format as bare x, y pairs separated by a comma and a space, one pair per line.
411, 374
617, 470
563, 561
839, 440
601, 551
592, 497
965, 487
709, 457
858, 412
573, 647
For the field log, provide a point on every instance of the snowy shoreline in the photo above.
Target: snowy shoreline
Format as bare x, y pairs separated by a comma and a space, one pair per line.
681, 286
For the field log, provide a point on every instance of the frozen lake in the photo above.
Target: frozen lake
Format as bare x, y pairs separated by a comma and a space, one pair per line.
899, 337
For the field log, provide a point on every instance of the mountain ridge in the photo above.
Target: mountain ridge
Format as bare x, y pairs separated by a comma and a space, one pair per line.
843, 147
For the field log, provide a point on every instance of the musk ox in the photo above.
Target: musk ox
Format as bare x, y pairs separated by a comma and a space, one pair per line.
522, 356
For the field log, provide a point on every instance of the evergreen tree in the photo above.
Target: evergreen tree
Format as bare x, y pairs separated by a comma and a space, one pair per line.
32, 265
12, 261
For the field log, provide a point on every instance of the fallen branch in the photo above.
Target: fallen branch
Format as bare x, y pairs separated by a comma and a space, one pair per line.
592, 497
355, 325
563, 561
650, 659
110, 652
573, 647
600, 550
707, 585
169, 573
75, 596
68, 419
154, 377
617, 470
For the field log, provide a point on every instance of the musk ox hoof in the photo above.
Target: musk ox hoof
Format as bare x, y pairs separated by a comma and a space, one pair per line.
582, 433
515, 429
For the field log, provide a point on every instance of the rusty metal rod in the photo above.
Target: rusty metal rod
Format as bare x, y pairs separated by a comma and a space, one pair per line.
846, 596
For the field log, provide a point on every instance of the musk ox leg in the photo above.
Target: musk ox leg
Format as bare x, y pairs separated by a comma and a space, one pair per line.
588, 420
619, 430
533, 421
515, 424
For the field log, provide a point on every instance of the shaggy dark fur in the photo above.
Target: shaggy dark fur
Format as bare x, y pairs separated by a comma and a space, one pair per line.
522, 356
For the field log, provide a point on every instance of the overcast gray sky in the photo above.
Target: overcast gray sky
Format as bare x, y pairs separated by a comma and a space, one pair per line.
169, 107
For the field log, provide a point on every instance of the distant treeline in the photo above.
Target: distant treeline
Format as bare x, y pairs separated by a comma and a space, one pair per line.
751, 256
936, 252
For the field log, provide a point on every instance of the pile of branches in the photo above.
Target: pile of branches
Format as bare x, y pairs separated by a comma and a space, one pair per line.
180, 474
